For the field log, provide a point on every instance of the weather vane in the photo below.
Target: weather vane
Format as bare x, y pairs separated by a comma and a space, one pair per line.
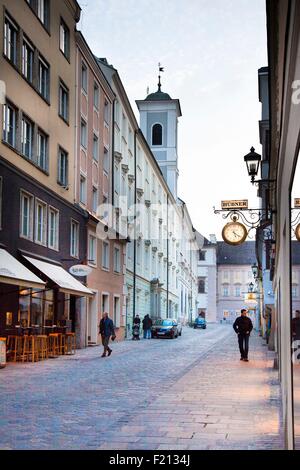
160, 69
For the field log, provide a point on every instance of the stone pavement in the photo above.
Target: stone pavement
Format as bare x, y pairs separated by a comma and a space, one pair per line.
187, 393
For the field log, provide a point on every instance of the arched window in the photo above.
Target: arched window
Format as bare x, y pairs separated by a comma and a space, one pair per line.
157, 134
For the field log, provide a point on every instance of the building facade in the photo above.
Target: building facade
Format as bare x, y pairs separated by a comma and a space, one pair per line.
207, 278
161, 275
283, 25
234, 276
93, 190
41, 228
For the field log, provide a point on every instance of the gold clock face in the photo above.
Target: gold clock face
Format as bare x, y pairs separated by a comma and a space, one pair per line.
234, 233
297, 232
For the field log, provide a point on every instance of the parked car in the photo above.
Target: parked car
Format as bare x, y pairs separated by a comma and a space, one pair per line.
200, 323
167, 328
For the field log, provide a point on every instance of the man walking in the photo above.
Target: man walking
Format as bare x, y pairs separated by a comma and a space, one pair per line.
243, 327
106, 331
147, 323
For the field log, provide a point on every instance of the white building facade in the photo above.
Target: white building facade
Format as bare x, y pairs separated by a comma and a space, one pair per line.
161, 270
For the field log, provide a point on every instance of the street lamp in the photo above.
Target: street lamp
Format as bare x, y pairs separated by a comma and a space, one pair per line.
254, 268
250, 287
252, 160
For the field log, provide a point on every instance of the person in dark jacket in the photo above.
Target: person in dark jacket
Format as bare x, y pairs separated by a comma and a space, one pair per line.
147, 323
243, 327
106, 330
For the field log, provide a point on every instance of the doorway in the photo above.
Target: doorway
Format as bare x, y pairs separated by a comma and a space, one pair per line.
92, 328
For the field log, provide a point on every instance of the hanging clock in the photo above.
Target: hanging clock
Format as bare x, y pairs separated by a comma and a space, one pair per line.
297, 232
234, 233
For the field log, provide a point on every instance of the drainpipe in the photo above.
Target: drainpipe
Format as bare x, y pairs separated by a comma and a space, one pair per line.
134, 231
167, 256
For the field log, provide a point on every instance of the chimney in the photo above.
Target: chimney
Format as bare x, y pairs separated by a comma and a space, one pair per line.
213, 238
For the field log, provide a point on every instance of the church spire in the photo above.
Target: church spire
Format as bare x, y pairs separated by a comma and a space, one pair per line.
160, 69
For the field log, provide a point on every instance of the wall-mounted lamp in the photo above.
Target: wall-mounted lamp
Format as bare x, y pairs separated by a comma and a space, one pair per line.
252, 161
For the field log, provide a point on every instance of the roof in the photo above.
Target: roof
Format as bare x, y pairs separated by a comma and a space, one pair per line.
243, 254
158, 96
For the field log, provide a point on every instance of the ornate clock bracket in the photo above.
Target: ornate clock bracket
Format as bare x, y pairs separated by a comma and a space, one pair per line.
252, 219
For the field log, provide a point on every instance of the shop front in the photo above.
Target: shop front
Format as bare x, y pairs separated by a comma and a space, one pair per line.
39, 299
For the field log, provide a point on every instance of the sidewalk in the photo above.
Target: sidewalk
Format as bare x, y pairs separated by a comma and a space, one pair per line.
221, 403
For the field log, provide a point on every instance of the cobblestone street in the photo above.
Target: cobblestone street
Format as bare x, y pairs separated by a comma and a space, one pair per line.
188, 393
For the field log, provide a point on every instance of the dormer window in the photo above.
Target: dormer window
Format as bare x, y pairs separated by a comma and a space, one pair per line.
157, 134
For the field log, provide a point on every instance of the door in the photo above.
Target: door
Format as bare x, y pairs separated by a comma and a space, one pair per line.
92, 329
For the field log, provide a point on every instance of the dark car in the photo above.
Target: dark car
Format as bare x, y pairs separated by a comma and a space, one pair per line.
200, 323
166, 329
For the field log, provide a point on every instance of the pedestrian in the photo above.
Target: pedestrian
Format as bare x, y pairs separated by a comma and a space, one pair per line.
243, 327
296, 326
136, 328
106, 330
147, 323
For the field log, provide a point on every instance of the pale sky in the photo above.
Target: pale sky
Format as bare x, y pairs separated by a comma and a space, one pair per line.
211, 51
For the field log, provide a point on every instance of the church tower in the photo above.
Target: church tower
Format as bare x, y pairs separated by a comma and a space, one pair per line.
159, 115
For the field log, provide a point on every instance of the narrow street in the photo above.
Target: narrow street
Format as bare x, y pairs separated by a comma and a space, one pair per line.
188, 393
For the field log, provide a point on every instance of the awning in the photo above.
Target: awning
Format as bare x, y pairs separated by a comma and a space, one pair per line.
66, 282
15, 273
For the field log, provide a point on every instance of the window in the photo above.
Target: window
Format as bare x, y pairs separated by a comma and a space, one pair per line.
106, 160
116, 259
74, 244
40, 222
106, 112
117, 112
26, 137
82, 189
10, 41
84, 81
202, 255
43, 11
44, 78
294, 291
157, 134
63, 101
201, 285
27, 60
92, 250
64, 39
62, 167
96, 96
26, 219
105, 255
238, 291
83, 134
94, 200
53, 227
42, 150
95, 148
225, 291
9, 124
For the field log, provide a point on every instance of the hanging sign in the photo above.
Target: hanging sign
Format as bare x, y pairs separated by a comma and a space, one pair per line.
232, 204
80, 270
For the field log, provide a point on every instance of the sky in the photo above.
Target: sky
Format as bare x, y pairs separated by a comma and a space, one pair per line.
211, 51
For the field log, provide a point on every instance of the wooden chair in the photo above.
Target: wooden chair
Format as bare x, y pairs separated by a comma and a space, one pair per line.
70, 343
14, 347
42, 346
53, 345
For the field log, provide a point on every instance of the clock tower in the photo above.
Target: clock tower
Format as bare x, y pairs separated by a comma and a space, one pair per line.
159, 115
